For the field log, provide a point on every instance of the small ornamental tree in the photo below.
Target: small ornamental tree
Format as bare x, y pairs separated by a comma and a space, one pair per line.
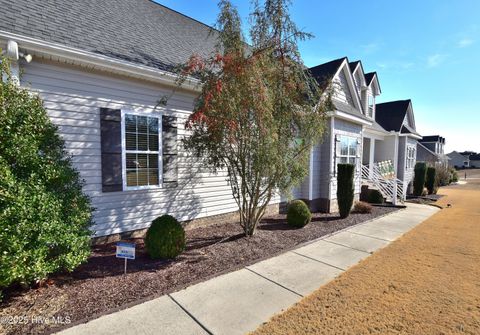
259, 111
419, 178
44, 216
345, 188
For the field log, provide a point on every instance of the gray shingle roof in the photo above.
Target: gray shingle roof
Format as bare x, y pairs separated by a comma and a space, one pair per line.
390, 115
138, 31
369, 77
326, 71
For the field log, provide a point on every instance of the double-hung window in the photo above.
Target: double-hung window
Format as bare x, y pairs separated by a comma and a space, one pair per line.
410, 157
141, 151
347, 150
371, 104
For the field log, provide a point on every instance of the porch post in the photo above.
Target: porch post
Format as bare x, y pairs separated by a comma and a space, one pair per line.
395, 191
371, 158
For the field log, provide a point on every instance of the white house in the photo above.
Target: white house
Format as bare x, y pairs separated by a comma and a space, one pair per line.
380, 139
457, 160
101, 73
474, 161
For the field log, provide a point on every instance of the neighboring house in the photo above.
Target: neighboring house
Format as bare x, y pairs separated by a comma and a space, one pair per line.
457, 160
474, 161
380, 141
342, 142
100, 68
432, 150
398, 144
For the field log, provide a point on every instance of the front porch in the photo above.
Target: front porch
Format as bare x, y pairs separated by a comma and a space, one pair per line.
379, 166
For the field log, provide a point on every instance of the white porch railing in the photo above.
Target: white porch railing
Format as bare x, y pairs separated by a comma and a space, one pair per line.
384, 180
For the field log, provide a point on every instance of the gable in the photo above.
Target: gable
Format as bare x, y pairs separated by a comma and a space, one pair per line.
409, 118
406, 121
342, 89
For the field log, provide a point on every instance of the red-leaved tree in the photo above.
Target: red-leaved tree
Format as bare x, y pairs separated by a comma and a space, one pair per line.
259, 111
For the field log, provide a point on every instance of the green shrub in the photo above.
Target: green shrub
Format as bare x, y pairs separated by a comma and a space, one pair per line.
454, 175
430, 179
362, 207
165, 238
419, 178
375, 197
44, 216
345, 188
298, 214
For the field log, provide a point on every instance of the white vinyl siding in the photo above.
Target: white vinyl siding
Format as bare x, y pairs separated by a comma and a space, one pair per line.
73, 97
342, 89
351, 130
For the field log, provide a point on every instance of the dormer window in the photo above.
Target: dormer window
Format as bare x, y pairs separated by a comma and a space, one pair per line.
371, 104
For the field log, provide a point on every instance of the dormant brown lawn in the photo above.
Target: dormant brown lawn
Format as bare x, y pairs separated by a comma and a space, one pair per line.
427, 282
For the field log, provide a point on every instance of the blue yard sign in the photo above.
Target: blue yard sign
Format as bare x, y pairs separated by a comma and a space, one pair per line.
127, 251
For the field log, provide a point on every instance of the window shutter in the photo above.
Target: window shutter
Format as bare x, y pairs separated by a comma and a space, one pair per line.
111, 144
169, 151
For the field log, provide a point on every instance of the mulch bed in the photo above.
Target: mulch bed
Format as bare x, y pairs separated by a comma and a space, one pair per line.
99, 286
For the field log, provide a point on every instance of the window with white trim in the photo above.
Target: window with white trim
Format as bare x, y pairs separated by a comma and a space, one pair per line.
410, 157
371, 104
141, 151
346, 150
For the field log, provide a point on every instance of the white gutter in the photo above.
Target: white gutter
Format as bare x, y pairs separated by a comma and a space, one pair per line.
411, 135
81, 57
350, 117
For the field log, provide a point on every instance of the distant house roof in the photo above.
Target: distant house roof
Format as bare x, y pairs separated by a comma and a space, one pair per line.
467, 153
326, 71
475, 157
390, 115
137, 31
433, 138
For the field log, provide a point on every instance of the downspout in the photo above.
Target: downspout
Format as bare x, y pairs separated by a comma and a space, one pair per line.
395, 167
332, 166
12, 55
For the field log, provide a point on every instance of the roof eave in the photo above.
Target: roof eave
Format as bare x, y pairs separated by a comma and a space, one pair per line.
86, 58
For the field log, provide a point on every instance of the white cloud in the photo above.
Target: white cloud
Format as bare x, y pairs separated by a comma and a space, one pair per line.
395, 65
370, 47
465, 42
435, 60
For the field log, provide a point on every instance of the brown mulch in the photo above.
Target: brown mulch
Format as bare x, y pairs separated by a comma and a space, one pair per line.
426, 282
99, 286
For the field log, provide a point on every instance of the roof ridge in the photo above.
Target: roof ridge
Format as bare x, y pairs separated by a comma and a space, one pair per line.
182, 14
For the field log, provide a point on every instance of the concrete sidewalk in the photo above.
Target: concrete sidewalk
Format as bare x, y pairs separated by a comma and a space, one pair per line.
238, 302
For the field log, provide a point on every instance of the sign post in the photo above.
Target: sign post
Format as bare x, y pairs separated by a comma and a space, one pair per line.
126, 251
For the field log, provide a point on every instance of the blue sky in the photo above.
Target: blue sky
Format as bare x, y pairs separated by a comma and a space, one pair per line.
428, 51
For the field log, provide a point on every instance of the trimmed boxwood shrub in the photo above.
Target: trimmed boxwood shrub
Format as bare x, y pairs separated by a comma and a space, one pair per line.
345, 188
44, 216
165, 238
375, 197
419, 178
430, 179
298, 214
